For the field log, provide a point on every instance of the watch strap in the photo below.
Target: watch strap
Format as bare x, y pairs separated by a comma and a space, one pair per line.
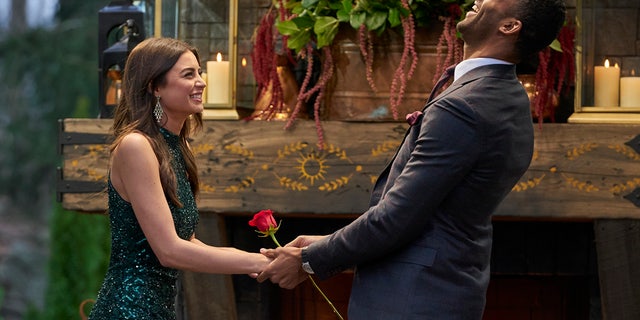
305, 262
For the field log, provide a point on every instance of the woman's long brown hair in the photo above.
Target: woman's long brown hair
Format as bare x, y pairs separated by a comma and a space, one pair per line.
144, 71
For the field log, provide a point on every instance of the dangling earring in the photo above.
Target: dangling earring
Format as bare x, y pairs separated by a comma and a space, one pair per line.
157, 110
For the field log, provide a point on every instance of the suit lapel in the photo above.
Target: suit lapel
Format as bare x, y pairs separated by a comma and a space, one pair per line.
499, 71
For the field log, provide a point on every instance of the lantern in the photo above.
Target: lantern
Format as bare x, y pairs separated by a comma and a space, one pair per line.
120, 28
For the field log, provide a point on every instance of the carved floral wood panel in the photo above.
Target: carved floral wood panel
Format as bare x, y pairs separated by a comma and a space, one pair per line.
578, 171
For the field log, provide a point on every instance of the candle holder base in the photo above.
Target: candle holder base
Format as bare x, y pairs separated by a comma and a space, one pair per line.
220, 114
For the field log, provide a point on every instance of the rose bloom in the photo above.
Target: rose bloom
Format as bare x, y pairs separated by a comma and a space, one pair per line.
264, 222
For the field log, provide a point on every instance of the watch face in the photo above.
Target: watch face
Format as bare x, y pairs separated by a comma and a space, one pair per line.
307, 267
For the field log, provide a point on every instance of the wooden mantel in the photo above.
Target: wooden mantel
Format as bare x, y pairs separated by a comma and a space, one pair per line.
582, 172
579, 171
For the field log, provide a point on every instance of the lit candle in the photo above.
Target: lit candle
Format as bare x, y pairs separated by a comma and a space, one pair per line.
243, 70
630, 91
218, 81
606, 85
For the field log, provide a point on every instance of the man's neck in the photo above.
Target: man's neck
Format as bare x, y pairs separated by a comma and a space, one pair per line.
497, 51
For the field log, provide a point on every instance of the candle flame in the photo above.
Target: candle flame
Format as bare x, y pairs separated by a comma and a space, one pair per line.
244, 61
606, 63
219, 57
633, 72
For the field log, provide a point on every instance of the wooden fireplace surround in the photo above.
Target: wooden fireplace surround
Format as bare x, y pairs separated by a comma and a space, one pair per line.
579, 172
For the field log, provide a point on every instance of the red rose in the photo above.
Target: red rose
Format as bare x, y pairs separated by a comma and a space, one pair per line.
267, 226
264, 222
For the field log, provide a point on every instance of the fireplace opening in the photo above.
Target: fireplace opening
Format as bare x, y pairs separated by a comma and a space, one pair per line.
540, 270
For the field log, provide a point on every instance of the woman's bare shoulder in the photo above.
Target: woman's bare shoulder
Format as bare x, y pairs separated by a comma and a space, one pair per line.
133, 145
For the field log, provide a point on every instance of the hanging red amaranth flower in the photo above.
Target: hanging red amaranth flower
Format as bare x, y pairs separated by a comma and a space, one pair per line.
542, 84
306, 93
565, 64
454, 10
555, 73
264, 64
400, 77
366, 50
449, 40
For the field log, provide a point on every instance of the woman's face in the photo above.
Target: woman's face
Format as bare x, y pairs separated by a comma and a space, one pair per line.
181, 94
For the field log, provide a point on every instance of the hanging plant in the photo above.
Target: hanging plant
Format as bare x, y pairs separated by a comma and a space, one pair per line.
449, 50
264, 66
555, 72
308, 28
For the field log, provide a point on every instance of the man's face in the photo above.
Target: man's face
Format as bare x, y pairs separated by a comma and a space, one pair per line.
483, 20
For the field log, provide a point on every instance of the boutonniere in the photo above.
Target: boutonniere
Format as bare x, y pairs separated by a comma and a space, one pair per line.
414, 117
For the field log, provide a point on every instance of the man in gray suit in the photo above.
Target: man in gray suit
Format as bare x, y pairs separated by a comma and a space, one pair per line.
422, 250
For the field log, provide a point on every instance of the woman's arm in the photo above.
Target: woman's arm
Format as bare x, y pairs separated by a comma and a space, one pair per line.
135, 175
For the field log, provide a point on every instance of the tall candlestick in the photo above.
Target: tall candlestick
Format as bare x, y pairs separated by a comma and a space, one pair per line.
218, 81
606, 85
630, 91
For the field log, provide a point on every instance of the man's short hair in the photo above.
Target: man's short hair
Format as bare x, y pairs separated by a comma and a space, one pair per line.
541, 23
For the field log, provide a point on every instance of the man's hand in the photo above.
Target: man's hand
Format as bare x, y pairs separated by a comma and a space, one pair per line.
285, 269
303, 241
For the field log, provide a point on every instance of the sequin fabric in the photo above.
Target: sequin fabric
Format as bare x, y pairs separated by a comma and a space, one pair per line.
136, 285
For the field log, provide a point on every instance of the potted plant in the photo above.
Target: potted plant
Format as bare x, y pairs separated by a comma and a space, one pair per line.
303, 32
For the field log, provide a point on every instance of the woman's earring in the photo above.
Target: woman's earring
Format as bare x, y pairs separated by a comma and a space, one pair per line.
157, 110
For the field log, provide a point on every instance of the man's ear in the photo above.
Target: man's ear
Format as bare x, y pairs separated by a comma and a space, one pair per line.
511, 26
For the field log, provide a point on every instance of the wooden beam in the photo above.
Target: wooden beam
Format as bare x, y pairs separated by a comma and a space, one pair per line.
579, 171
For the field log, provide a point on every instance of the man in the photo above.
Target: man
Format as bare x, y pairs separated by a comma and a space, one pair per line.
422, 249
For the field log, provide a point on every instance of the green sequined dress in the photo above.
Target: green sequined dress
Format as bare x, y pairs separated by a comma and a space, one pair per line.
136, 285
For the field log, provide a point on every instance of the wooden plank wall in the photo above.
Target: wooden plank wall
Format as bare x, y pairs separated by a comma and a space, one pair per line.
578, 171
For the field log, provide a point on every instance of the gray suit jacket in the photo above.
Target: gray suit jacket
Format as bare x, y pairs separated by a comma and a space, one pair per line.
422, 249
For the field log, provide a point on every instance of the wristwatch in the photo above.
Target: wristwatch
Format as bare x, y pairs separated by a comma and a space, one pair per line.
305, 264
307, 267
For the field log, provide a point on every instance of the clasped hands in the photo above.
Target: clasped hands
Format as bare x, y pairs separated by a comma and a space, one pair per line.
285, 268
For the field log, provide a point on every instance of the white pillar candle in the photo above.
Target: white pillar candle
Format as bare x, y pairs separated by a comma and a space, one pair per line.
218, 81
630, 91
606, 85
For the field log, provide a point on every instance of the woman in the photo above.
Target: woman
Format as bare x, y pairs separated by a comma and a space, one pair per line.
152, 186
